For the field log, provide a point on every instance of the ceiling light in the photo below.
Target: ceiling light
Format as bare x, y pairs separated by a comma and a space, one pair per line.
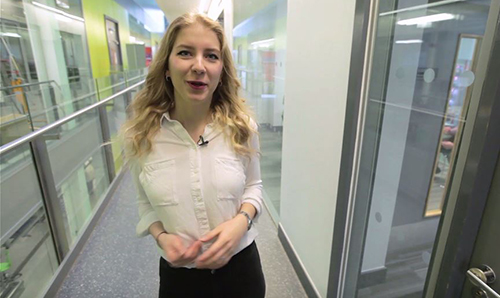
419, 7
62, 4
427, 19
133, 39
409, 41
58, 11
10, 34
263, 43
63, 18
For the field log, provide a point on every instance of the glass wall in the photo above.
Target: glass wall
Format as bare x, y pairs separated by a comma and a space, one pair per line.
423, 72
45, 67
27, 254
79, 170
77, 173
259, 51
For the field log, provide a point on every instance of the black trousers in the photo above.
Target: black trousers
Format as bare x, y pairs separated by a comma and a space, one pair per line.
242, 277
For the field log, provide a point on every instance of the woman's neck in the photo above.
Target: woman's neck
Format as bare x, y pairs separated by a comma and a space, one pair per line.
194, 118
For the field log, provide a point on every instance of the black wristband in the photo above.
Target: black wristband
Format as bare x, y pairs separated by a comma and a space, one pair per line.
158, 236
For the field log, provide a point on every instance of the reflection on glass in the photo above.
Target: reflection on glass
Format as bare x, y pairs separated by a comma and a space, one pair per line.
79, 170
419, 91
27, 255
45, 53
458, 101
116, 111
259, 54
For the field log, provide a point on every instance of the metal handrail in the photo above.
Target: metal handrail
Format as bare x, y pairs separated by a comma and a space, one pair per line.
33, 135
112, 86
118, 84
30, 84
80, 98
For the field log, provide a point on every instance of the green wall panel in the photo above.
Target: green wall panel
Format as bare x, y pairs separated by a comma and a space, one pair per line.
94, 12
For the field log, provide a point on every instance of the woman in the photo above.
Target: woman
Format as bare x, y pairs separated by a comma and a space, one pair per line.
193, 150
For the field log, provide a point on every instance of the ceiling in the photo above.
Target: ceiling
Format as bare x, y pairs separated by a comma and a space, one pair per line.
174, 8
243, 9
150, 4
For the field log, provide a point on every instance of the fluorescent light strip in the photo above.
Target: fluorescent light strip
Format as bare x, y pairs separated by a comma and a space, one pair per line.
58, 11
409, 41
62, 4
10, 34
420, 7
63, 18
427, 19
262, 42
133, 39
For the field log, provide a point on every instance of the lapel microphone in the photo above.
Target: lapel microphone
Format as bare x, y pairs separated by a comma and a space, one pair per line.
202, 142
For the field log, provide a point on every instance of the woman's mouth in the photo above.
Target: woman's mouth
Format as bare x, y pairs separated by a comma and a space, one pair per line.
197, 85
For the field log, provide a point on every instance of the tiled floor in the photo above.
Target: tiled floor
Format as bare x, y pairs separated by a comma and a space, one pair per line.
406, 273
114, 263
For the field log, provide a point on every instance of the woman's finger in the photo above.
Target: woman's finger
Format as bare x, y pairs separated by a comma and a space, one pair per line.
211, 235
215, 256
192, 251
216, 246
175, 249
222, 257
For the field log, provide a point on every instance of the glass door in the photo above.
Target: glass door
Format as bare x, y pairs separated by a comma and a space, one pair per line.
427, 66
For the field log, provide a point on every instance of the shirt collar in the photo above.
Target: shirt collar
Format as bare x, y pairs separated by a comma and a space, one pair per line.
165, 118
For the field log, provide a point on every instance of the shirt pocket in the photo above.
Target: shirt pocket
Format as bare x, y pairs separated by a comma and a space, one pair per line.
229, 178
158, 181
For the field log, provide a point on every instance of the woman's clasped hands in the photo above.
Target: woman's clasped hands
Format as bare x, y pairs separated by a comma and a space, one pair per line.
227, 234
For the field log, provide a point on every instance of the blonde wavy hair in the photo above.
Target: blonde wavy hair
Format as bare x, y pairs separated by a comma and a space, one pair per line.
157, 96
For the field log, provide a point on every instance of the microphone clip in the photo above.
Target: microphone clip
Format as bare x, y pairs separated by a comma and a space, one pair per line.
202, 142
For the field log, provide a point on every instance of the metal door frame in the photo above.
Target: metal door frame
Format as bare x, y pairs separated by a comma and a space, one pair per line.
479, 161
107, 18
473, 174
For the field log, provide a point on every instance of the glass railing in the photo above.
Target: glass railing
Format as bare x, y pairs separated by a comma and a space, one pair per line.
28, 107
54, 181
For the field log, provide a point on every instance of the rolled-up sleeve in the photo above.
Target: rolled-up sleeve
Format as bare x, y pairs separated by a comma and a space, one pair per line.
253, 183
147, 215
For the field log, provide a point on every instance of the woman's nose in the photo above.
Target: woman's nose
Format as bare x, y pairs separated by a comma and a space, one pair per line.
198, 66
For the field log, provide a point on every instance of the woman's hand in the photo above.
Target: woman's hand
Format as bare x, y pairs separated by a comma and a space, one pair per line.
228, 236
176, 252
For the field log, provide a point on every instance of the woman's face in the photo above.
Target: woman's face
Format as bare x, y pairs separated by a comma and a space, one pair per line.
195, 64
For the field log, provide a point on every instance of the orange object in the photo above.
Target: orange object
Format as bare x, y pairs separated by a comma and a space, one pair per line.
19, 92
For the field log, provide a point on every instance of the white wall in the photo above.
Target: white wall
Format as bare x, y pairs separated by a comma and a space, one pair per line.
319, 38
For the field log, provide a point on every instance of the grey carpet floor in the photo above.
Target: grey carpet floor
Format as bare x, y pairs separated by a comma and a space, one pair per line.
114, 263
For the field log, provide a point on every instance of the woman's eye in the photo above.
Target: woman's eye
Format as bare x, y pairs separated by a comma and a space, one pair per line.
213, 56
183, 53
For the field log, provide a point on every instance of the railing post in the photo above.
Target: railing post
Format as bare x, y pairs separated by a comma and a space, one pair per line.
30, 117
98, 94
50, 197
125, 76
106, 137
55, 106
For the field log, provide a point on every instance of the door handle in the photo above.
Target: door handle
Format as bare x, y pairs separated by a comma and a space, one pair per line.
481, 277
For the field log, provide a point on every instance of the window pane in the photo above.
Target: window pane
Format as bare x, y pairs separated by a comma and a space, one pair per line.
259, 51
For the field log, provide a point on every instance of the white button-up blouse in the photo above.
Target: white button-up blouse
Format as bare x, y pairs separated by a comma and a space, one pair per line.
192, 189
